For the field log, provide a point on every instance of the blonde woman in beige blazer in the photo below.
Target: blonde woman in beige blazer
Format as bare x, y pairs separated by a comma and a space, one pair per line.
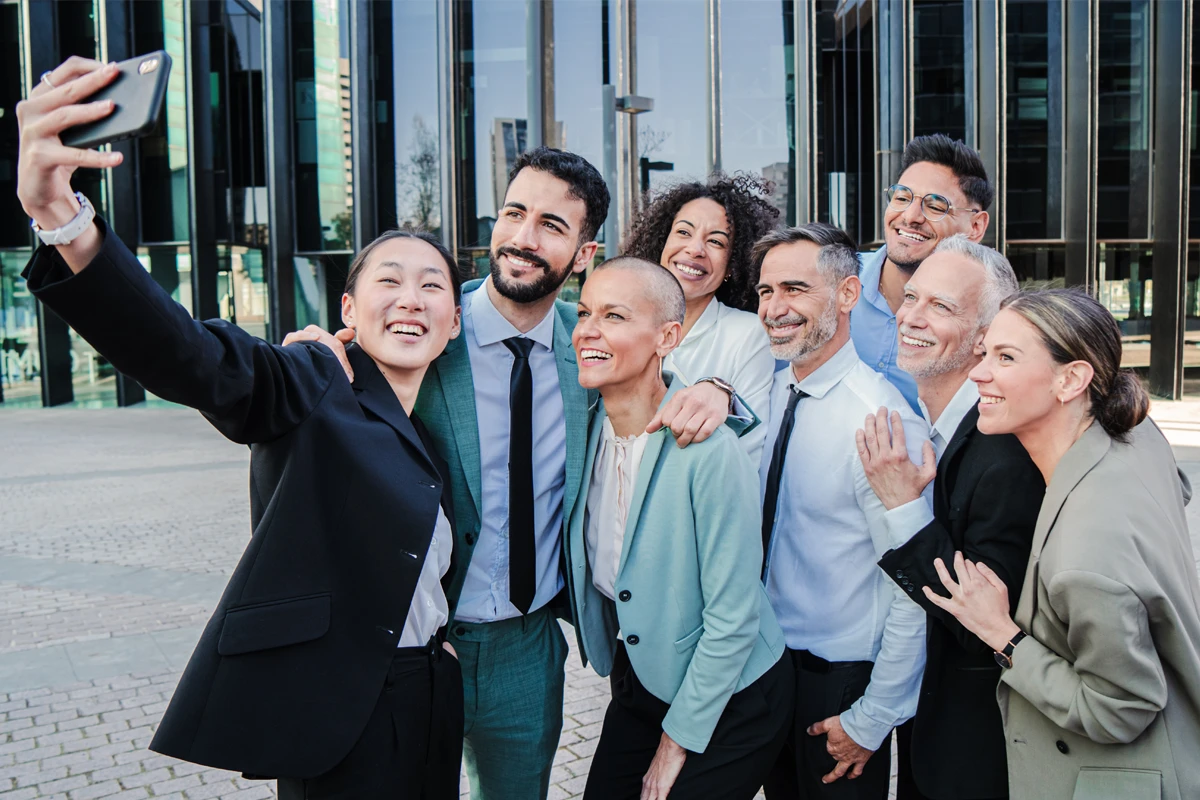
1101, 692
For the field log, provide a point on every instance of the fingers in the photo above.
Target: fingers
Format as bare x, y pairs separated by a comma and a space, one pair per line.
944, 574
47, 156
838, 771
686, 432
860, 441
449, 648
871, 436
345, 335
52, 123
881, 429
960, 569
72, 91
656, 422
817, 728
74, 67
299, 336
928, 461
707, 429
899, 443
858, 770
990, 576
937, 599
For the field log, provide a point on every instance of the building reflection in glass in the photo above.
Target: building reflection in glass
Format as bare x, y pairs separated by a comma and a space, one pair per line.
939, 68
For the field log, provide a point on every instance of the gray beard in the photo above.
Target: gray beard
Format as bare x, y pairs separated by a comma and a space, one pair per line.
800, 350
948, 363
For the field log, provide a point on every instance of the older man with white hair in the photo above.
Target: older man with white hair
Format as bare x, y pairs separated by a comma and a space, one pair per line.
986, 499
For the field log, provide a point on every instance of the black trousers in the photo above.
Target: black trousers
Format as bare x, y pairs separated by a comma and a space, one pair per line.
412, 745
745, 743
825, 689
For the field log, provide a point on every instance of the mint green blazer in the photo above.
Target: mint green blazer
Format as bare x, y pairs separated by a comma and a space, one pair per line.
454, 427
689, 574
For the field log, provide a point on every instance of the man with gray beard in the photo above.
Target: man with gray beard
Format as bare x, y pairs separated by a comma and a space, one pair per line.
986, 500
856, 640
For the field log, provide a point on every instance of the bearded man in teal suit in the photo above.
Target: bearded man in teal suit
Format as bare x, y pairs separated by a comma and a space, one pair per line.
506, 411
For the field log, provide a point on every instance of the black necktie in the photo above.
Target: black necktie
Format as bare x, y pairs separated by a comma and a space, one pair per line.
521, 555
775, 473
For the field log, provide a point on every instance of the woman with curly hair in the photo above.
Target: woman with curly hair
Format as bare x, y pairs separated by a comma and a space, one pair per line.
702, 232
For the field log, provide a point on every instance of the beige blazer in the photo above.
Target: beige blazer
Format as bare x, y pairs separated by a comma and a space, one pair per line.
1103, 699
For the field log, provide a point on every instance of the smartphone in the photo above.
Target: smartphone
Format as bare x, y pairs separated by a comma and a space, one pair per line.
137, 93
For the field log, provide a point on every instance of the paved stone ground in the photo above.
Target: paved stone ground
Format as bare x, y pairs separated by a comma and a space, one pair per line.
118, 529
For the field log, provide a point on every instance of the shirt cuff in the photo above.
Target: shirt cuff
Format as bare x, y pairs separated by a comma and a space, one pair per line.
864, 731
904, 521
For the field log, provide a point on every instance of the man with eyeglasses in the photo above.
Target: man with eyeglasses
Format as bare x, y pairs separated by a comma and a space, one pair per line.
943, 190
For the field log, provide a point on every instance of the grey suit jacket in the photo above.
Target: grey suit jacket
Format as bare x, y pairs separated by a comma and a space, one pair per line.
1103, 699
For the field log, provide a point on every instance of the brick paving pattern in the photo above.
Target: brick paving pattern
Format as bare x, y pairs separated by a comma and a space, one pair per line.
118, 529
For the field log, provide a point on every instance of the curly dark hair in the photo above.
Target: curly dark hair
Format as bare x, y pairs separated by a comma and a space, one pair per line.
750, 214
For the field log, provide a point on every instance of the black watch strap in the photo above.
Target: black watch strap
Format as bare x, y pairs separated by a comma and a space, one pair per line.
1004, 657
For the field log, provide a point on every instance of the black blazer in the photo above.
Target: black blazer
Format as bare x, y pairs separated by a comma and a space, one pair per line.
344, 496
986, 499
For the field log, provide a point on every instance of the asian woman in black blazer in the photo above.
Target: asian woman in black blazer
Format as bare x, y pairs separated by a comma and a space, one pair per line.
322, 665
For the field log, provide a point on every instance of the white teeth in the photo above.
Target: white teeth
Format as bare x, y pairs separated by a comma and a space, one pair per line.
520, 262
916, 237
686, 270
915, 342
990, 401
594, 355
408, 330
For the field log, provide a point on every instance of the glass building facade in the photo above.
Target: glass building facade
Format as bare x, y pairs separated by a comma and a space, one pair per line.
295, 131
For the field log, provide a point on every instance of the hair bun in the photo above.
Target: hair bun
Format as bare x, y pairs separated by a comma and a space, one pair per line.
1125, 405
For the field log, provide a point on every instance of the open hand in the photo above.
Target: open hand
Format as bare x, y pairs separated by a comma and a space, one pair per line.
884, 453
664, 769
978, 599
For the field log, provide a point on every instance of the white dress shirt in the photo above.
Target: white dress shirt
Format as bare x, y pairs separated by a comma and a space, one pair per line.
731, 345
904, 521
830, 596
485, 596
614, 475
429, 609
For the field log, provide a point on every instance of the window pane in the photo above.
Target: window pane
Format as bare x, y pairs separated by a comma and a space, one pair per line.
20, 367
247, 160
672, 63
939, 74
162, 155
755, 67
490, 74
1126, 289
578, 78
1038, 265
171, 268
417, 151
1123, 106
1034, 148
14, 225
321, 109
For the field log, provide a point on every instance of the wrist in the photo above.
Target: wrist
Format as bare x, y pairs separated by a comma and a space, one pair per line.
669, 745
55, 214
1002, 635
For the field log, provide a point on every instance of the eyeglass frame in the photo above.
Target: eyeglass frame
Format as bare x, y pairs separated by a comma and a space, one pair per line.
950, 208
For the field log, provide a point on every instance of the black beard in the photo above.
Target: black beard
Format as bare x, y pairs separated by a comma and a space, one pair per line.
549, 283
907, 267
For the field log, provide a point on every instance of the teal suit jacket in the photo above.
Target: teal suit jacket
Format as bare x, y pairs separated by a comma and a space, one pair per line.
689, 576
446, 405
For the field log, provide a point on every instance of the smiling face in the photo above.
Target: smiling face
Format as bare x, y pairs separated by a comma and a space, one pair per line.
1019, 382
621, 337
798, 307
535, 243
938, 320
697, 249
403, 309
909, 235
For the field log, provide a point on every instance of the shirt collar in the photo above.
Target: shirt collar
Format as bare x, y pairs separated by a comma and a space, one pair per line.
829, 374
490, 326
706, 322
952, 415
870, 271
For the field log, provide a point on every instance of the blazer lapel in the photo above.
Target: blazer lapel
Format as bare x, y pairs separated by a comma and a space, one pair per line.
654, 446
375, 394
575, 410
454, 373
1078, 462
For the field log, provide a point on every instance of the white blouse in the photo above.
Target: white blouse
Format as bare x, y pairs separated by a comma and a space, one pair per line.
429, 610
730, 344
610, 494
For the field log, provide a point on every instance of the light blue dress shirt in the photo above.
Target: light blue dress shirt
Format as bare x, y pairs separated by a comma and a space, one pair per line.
827, 591
873, 328
485, 596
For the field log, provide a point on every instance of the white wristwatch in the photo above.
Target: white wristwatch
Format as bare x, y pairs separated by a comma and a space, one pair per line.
69, 232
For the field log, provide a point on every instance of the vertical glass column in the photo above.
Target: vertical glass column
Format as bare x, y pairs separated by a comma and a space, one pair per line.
321, 114
939, 68
412, 109
1124, 109
754, 94
672, 68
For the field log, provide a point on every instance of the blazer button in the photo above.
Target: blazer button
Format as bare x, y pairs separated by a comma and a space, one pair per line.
460, 630
632, 639
900, 574
1062, 747
624, 596
470, 538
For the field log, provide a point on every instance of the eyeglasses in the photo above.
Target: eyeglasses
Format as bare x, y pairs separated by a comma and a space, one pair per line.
934, 205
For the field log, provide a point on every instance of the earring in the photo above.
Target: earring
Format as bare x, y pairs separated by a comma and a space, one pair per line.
1061, 402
